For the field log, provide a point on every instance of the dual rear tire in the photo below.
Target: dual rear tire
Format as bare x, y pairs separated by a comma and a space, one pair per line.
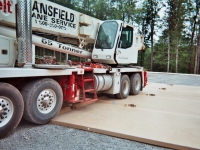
130, 85
39, 101
42, 100
135, 84
11, 109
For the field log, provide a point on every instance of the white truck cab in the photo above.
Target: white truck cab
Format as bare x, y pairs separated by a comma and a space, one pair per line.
116, 43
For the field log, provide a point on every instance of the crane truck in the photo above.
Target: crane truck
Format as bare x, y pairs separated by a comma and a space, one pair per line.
36, 91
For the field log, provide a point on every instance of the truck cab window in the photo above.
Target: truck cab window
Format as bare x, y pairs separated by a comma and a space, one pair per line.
106, 35
126, 37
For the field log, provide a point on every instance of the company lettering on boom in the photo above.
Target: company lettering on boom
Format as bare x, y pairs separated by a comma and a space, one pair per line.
5, 6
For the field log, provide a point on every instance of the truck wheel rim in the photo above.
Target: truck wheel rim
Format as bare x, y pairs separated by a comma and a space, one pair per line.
46, 101
137, 84
125, 87
6, 110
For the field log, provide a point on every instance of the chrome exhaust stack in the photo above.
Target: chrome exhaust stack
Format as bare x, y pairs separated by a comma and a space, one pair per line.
24, 33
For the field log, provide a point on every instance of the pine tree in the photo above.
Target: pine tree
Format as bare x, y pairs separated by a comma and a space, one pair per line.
151, 7
175, 17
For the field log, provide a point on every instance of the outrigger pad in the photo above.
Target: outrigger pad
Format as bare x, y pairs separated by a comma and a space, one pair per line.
163, 115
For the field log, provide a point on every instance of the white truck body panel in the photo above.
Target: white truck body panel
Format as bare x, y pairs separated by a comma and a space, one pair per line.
116, 74
55, 19
116, 84
122, 69
7, 51
128, 55
33, 72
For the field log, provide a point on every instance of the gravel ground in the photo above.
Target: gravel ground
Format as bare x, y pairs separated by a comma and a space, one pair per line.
29, 136
174, 78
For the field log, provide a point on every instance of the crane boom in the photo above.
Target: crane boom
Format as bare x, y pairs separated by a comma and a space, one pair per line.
49, 44
55, 19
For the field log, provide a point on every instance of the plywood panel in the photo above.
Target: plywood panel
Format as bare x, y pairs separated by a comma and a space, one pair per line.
181, 88
170, 121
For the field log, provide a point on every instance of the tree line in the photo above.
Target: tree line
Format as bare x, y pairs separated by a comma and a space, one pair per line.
171, 29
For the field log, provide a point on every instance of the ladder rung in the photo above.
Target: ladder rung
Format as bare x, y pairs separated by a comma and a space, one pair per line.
89, 90
87, 80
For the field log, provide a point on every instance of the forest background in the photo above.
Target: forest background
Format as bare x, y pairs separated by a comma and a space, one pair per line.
171, 29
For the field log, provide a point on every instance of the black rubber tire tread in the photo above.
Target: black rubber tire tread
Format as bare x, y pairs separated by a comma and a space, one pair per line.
30, 94
9, 91
133, 79
122, 95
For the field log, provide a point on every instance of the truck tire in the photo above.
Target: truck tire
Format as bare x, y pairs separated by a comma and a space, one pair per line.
11, 109
124, 87
42, 100
136, 84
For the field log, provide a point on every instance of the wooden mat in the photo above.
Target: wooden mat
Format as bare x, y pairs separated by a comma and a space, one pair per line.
163, 115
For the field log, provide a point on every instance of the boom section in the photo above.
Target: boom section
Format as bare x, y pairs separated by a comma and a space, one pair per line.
48, 17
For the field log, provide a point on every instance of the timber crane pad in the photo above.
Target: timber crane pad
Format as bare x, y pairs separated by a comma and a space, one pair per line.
163, 115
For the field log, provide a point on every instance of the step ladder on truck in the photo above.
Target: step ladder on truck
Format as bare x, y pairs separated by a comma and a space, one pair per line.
35, 91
